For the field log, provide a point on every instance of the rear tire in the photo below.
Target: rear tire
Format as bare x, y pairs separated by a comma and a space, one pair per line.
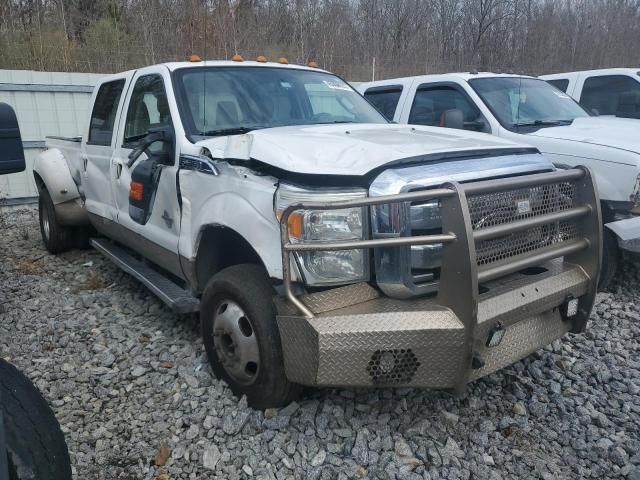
35, 445
610, 259
241, 336
57, 238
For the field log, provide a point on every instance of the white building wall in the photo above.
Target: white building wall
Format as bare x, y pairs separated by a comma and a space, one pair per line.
46, 104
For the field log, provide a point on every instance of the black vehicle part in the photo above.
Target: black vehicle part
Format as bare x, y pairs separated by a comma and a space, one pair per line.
35, 448
142, 194
248, 289
610, 259
12, 153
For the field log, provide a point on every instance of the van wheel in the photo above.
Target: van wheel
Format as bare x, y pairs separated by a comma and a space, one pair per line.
57, 238
241, 336
610, 259
35, 448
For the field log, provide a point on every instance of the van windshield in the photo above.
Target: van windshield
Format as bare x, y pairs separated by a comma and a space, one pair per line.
526, 103
231, 100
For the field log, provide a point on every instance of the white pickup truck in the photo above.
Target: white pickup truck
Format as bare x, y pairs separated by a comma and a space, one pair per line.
312, 235
608, 91
530, 111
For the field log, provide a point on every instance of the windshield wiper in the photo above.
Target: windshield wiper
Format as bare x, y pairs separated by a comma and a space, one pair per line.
543, 123
331, 122
230, 131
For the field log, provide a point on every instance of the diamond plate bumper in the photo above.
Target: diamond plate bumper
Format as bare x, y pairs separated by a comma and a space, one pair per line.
372, 340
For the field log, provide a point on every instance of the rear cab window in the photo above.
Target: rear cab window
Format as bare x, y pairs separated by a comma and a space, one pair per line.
560, 83
104, 112
612, 95
385, 99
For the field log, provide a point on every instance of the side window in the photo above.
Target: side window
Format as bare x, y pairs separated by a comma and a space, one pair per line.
104, 112
430, 103
560, 84
385, 99
148, 108
612, 95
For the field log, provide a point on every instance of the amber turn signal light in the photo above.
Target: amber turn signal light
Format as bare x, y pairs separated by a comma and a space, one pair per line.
136, 191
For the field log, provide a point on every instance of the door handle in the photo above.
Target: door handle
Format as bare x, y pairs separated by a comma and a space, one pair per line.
119, 166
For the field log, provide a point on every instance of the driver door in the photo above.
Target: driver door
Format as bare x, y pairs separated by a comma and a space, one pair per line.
146, 189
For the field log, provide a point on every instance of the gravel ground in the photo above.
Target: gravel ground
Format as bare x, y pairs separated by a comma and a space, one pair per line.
132, 389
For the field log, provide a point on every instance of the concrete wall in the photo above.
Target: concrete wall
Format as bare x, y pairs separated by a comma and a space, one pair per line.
46, 103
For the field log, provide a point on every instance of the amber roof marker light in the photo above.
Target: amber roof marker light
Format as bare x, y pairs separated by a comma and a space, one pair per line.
237, 58
261, 59
283, 61
312, 64
195, 58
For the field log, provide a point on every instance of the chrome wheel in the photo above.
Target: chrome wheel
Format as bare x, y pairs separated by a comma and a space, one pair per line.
235, 342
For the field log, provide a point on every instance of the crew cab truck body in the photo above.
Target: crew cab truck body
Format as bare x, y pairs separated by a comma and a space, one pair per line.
321, 244
608, 91
530, 111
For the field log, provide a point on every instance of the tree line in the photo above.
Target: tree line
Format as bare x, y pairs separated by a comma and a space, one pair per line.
358, 39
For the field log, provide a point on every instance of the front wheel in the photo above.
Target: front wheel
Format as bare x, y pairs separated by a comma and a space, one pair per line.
241, 336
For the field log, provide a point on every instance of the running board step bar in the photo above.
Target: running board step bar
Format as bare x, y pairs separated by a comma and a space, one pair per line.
176, 297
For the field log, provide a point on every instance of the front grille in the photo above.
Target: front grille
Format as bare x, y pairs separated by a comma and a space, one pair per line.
520, 243
492, 209
488, 210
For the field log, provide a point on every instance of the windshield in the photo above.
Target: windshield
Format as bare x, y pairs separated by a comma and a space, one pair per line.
526, 102
232, 100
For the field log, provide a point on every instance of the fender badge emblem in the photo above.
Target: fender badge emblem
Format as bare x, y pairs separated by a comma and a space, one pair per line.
167, 219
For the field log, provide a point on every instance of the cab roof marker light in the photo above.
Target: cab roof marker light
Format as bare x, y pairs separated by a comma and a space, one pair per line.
237, 58
261, 59
283, 61
195, 58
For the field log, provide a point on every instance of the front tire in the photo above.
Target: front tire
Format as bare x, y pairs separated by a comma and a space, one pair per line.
241, 336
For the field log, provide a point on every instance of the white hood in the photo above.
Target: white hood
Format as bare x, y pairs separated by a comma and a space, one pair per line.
349, 149
620, 133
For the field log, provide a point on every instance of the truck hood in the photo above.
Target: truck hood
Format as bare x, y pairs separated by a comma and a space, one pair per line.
620, 133
352, 149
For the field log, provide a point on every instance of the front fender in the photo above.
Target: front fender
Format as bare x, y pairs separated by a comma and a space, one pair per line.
256, 225
52, 172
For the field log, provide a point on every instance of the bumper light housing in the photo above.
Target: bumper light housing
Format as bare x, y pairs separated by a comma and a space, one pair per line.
569, 308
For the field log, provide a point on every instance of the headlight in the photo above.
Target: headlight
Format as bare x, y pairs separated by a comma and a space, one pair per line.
323, 268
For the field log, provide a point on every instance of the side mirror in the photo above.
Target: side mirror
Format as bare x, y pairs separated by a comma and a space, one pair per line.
159, 134
452, 119
11, 150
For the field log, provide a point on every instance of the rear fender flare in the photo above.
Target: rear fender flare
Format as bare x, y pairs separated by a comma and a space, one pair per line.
51, 172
